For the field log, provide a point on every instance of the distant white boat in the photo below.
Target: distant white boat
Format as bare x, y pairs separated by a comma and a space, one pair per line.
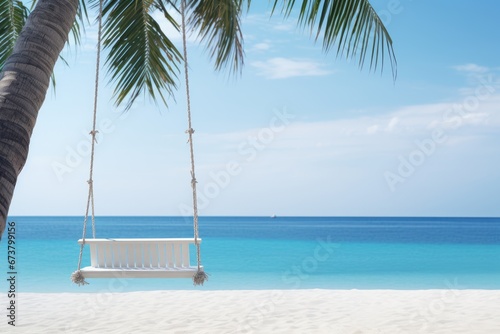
273, 216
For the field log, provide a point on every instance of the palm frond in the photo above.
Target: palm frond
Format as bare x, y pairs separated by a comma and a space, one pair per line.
219, 25
13, 15
82, 18
141, 58
353, 25
162, 6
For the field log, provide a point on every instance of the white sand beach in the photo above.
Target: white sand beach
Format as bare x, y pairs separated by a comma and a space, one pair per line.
259, 311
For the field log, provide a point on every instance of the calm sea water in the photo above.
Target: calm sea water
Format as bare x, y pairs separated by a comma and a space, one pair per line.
279, 253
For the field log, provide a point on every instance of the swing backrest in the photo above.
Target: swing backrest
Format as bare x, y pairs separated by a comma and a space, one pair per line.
169, 253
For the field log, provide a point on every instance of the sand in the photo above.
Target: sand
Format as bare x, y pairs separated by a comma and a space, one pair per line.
259, 311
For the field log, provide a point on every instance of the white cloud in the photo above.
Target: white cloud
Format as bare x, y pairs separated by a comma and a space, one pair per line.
280, 68
372, 129
471, 68
359, 137
284, 27
262, 46
393, 122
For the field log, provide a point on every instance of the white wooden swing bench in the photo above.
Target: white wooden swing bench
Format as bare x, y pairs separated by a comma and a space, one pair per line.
139, 258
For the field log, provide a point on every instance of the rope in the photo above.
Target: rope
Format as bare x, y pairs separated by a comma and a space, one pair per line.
77, 277
200, 277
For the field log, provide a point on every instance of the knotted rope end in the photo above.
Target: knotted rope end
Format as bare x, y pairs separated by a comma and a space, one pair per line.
200, 277
78, 278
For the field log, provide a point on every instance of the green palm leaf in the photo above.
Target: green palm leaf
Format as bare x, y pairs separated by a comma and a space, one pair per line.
13, 15
353, 25
141, 58
79, 25
219, 26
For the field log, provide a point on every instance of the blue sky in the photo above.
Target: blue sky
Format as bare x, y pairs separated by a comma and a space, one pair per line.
300, 132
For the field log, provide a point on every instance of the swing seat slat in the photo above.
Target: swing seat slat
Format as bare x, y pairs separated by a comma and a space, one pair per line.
140, 258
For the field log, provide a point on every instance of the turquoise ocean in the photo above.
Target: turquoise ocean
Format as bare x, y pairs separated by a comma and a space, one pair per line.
274, 253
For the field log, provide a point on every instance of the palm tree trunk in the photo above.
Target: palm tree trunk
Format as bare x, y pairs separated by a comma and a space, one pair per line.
24, 82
